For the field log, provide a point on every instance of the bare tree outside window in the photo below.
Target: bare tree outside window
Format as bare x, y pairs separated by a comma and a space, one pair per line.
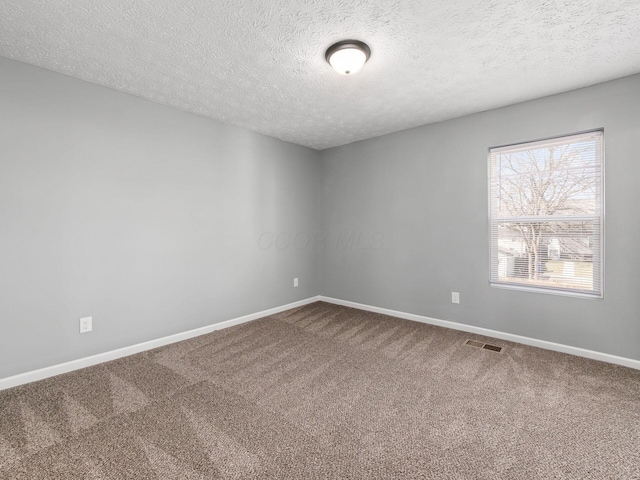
546, 214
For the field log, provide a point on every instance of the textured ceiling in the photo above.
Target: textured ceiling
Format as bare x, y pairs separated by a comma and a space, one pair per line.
259, 64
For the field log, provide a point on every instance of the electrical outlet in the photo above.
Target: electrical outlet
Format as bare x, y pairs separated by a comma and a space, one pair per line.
86, 324
295, 282
455, 297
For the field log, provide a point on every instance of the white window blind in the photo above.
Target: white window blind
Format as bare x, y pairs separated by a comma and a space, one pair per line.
546, 215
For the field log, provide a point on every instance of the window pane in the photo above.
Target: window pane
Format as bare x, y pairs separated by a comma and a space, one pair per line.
548, 254
557, 180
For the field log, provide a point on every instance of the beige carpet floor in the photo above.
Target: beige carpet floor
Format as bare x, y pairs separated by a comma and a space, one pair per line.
324, 391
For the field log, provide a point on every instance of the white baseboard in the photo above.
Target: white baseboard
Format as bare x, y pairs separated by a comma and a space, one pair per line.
557, 347
53, 370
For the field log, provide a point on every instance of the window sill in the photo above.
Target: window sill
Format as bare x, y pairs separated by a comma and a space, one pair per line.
547, 291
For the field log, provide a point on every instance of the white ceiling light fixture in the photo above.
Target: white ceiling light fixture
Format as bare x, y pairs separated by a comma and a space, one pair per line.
348, 56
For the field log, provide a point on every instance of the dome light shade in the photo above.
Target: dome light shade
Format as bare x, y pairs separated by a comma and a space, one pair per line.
348, 56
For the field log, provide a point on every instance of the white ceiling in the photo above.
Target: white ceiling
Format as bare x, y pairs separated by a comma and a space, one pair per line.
259, 64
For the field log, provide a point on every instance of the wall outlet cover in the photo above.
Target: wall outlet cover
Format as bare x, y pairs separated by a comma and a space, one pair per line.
86, 324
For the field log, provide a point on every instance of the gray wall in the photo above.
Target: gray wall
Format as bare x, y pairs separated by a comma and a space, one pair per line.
142, 216
156, 221
418, 200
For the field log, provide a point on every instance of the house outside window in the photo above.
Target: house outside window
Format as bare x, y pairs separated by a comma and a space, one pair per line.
547, 214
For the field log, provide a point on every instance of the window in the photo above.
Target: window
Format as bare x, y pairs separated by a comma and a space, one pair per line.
546, 215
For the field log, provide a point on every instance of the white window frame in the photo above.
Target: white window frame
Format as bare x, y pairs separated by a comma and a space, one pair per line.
598, 251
